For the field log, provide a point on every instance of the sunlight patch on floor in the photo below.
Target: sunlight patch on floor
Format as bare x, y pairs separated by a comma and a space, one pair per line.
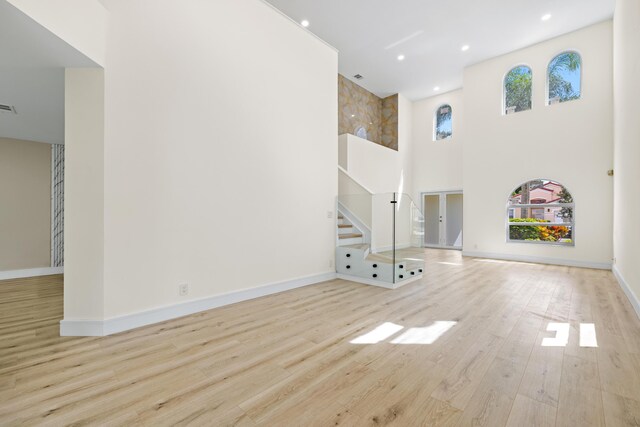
588, 335
561, 339
427, 335
562, 335
417, 335
380, 333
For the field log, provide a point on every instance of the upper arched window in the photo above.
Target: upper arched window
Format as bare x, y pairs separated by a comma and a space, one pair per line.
443, 124
361, 132
540, 211
564, 77
517, 89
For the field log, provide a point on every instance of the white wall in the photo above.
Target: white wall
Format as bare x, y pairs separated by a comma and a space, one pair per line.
84, 194
81, 23
627, 144
437, 165
405, 145
383, 171
569, 142
220, 151
378, 168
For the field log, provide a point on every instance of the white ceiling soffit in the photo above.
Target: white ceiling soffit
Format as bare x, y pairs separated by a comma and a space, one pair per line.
32, 63
38, 97
372, 34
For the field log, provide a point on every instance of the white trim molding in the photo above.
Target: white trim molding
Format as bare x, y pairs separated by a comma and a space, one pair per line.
538, 260
633, 298
80, 327
30, 272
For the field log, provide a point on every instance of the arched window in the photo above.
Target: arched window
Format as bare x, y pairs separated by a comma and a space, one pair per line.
540, 211
361, 132
564, 76
443, 124
517, 89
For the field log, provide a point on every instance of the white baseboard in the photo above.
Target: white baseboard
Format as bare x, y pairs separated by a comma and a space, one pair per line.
539, 260
378, 283
30, 272
633, 298
131, 321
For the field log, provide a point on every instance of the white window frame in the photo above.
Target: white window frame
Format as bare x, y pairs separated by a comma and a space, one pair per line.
571, 224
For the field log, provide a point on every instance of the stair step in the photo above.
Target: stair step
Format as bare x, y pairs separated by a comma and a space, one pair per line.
345, 225
340, 217
349, 236
359, 246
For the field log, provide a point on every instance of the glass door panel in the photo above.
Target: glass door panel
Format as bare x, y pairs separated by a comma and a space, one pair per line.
453, 220
432, 219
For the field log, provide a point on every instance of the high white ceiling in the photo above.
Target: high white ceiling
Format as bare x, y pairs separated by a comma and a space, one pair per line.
371, 34
32, 62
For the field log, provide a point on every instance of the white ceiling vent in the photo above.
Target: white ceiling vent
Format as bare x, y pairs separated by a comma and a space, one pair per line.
8, 109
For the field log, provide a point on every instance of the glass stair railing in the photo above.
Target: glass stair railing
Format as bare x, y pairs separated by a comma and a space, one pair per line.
379, 238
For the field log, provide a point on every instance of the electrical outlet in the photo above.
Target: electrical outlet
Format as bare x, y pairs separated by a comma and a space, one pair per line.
329, 214
183, 289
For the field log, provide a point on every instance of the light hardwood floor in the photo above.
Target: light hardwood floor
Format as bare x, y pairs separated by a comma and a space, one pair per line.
288, 360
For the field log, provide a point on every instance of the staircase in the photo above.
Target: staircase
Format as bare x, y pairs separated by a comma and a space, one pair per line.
355, 262
348, 234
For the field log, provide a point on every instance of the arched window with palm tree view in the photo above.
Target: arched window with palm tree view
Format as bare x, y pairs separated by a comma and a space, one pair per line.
517, 89
564, 78
541, 211
443, 125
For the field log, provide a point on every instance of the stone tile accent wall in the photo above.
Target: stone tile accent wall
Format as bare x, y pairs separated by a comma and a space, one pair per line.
389, 122
360, 112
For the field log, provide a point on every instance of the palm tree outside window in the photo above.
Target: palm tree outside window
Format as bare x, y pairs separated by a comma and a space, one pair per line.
443, 124
564, 77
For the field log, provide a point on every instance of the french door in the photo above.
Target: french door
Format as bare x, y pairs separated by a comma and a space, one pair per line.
443, 219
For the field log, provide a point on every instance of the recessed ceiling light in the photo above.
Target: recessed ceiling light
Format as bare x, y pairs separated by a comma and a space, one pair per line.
437, 88
304, 23
546, 17
353, 115
465, 48
400, 57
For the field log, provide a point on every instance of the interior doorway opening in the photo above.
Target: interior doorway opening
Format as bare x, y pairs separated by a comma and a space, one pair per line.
443, 219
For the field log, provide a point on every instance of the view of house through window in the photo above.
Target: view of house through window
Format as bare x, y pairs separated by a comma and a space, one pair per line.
443, 122
540, 211
564, 75
517, 89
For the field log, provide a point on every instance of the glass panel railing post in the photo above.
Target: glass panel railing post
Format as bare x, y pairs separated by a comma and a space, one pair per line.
394, 203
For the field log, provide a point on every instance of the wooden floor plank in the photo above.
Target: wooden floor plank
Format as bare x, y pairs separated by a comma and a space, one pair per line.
315, 356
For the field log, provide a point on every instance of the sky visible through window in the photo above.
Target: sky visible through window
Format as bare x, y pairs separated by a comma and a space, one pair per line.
443, 122
564, 77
